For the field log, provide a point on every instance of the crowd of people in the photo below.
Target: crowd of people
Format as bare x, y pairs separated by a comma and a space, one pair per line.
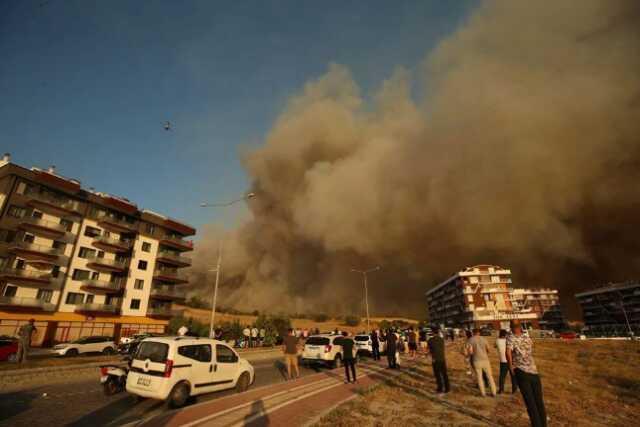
514, 350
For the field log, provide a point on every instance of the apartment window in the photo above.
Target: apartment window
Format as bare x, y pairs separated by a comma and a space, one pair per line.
67, 224
142, 265
91, 231
146, 247
10, 291
55, 271
100, 254
95, 275
151, 228
74, 298
139, 284
36, 214
89, 299
16, 211
29, 238
44, 295
7, 236
135, 304
107, 233
20, 264
59, 245
79, 274
86, 252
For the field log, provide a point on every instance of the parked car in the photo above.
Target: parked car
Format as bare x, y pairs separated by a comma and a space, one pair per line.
8, 349
323, 349
173, 369
94, 344
364, 345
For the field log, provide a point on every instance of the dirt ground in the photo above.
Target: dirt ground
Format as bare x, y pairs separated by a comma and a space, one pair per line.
585, 383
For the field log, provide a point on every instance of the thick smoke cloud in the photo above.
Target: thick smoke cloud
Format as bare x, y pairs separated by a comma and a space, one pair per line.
524, 151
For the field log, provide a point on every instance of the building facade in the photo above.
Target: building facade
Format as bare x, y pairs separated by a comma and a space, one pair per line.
478, 296
81, 262
542, 301
611, 310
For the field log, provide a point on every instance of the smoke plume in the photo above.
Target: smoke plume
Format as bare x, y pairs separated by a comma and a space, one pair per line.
523, 151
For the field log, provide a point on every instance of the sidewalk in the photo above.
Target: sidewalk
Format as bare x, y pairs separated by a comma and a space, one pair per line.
294, 403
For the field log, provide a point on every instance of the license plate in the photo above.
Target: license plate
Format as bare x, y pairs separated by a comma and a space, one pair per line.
146, 382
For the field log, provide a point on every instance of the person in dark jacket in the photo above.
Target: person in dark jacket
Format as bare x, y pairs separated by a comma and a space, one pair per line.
348, 357
391, 349
375, 345
435, 346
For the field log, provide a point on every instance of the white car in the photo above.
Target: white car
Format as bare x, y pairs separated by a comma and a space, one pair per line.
324, 349
95, 344
364, 344
174, 368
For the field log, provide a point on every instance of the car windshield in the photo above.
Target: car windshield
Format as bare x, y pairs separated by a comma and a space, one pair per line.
362, 337
154, 351
318, 341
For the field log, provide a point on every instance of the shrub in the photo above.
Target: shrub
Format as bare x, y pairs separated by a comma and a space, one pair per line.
352, 320
385, 324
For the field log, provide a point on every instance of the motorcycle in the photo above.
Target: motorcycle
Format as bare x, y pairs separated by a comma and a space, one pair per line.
113, 378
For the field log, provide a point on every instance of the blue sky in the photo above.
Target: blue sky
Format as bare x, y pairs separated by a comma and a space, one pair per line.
86, 84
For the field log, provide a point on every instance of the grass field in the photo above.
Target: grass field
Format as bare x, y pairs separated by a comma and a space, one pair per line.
585, 383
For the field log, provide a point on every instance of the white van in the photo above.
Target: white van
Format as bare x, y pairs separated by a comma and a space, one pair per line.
175, 368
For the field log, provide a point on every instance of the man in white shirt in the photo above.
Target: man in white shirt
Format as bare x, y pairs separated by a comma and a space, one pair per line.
501, 345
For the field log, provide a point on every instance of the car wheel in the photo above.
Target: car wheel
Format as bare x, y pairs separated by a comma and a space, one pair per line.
243, 382
337, 362
107, 351
178, 396
71, 352
13, 358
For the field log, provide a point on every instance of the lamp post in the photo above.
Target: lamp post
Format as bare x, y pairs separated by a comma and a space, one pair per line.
219, 262
366, 291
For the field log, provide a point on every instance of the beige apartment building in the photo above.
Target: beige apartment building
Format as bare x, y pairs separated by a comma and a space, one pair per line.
81, 262
476, 296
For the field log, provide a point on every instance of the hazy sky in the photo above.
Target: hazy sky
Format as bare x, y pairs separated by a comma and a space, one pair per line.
86, 85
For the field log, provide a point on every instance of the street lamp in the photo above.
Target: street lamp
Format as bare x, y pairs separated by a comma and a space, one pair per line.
366, 292
219, 262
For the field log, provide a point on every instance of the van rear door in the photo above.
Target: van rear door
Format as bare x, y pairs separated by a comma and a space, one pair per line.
148, 366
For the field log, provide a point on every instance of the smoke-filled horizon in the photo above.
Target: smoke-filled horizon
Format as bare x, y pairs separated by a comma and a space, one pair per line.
524, 151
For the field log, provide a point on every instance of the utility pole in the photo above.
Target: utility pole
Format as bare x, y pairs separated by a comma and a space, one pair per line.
366, 291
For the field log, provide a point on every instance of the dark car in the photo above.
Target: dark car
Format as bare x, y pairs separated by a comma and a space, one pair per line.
8, 349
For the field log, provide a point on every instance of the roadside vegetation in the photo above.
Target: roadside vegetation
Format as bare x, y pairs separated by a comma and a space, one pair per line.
586, 383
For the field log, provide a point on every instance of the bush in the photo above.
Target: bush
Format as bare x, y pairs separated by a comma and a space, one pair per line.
385, 324
352, 320
270, 330
321, 317
195, 327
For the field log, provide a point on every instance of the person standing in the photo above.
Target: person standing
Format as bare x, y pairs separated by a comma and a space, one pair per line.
348, 357
391, 349
435, 347
519, 352
290, 350
375, 345
254, 336
182, 331
479, 352
501, 346
413, 343
247, 337
25, 333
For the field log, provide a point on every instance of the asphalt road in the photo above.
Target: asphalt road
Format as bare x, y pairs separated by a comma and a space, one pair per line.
82, 402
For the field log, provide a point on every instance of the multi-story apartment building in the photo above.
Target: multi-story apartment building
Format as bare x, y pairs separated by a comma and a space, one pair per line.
475, 297
81, 262
611, 310
542, 301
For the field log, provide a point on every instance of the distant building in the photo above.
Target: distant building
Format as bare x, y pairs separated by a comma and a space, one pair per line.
81, 262
475, 297
544, 302
612, 309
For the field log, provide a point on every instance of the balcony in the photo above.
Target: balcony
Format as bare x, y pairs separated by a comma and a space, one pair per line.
119, 225
98, 308
170, 276
101, 263
48, 252
173, 259
101, 285
113, 245
41, 225
168, 292
177, 243
163, 312
32, 277
26, 303
65, 205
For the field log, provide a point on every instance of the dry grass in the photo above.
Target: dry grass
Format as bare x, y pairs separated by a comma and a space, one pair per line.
585, 383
